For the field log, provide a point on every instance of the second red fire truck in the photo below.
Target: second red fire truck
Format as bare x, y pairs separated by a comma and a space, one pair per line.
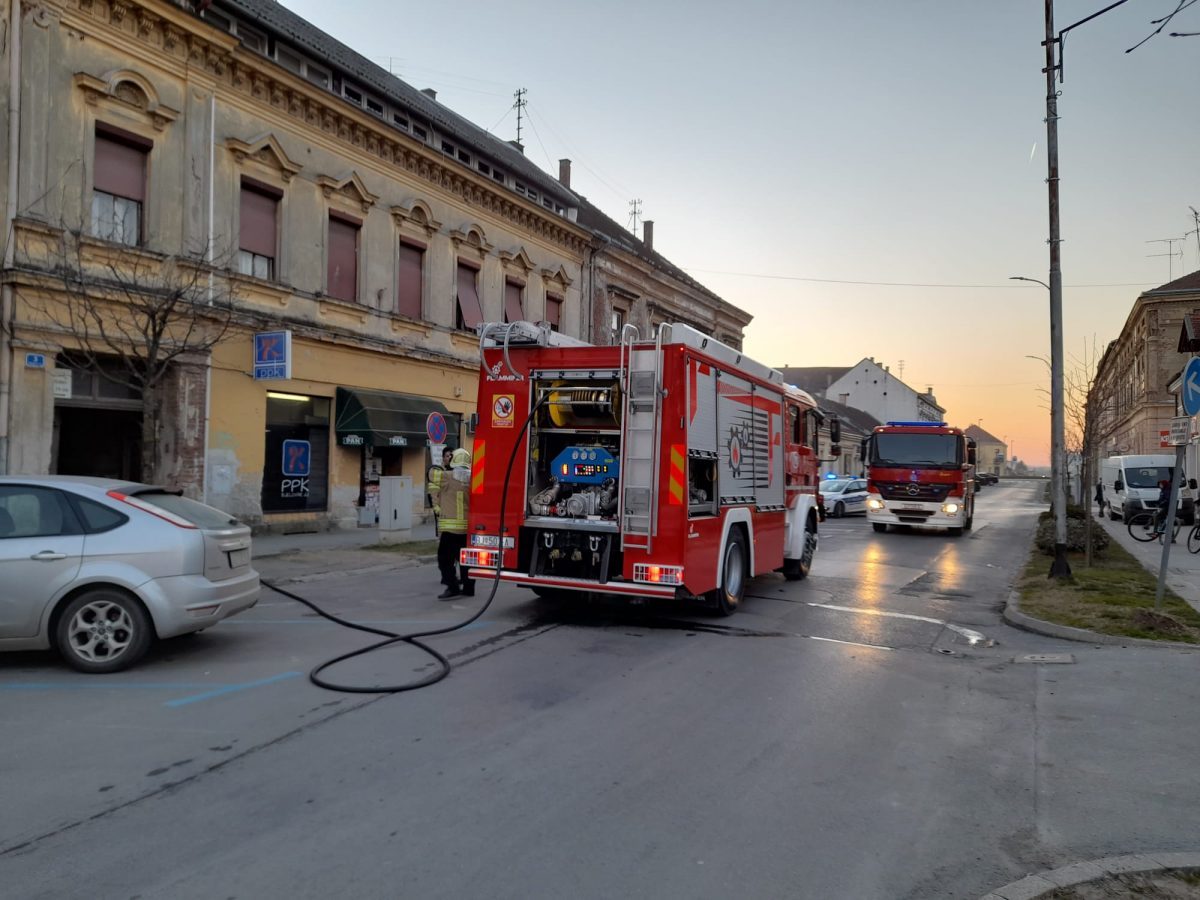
921, 475
671, 467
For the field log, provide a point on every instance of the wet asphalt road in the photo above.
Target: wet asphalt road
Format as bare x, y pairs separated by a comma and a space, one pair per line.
862, 734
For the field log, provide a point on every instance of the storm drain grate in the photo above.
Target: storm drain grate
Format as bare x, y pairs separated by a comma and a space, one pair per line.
1061, 659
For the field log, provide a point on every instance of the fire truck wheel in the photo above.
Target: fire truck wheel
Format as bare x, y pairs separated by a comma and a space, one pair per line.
880, 527
795, 569
728, 597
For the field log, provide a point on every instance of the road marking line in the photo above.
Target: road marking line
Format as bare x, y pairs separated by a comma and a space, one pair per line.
230, 689
973, 637
813, 637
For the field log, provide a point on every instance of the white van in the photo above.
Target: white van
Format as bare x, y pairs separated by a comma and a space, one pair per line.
1130, 485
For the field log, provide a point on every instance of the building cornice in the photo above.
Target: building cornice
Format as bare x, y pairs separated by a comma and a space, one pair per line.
185, 39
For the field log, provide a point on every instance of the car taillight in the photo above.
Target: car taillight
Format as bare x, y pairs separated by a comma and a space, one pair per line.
484, 559
165, 515
652, 573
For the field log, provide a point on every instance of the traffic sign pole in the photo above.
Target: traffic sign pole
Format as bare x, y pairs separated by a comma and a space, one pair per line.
1169, 527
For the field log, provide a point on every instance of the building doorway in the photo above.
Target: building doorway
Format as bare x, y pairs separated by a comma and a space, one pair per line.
106, 443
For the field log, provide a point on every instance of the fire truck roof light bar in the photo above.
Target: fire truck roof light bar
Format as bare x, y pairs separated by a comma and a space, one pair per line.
920, 424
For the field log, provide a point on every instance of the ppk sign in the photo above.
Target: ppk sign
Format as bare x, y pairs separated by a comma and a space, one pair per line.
272, 355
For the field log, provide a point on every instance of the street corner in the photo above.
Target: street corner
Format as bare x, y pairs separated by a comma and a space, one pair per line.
1168, 876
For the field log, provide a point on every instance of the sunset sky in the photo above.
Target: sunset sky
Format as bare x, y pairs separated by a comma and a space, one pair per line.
864, 177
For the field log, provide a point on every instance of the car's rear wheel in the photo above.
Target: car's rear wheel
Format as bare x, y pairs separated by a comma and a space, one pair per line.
839, 509
103, 630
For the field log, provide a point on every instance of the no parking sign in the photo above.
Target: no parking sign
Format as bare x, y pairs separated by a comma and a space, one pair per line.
435, 428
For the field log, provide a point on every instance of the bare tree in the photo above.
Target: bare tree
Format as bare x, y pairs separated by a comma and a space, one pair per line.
132, 316
1084, 409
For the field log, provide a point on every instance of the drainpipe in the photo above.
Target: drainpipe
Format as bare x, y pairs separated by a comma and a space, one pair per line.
212, 166
7, 312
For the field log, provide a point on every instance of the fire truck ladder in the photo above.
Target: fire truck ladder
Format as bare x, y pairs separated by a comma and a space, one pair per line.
639, 454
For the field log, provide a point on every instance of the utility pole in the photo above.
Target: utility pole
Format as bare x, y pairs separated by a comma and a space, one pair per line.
1060, 568
519, 102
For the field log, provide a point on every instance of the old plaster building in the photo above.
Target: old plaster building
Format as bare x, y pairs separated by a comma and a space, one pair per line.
301, 191
873, 388
990, 451
1132, 392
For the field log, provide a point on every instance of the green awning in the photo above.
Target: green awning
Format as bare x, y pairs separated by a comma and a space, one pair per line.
386, 419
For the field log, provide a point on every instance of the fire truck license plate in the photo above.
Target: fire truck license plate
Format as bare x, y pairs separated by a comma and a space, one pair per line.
913, 508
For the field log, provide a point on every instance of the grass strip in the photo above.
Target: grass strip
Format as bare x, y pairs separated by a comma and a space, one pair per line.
1115, 596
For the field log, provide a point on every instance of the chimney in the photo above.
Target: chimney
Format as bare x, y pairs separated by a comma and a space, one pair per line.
430, 93
519, 146
564, 173
648, 234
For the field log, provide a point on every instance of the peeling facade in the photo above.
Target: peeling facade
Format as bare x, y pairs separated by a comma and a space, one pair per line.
396, 225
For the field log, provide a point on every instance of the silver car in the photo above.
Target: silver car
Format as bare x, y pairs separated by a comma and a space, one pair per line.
98, 568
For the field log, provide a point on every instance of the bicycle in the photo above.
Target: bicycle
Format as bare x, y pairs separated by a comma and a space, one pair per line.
1145, 527
1193, 541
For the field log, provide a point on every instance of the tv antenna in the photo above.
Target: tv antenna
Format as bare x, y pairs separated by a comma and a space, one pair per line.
1196, 230
635, 213
901, 368
1170, 254
519, 103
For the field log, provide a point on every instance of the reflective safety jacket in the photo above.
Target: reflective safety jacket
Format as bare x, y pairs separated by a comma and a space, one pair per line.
451, 500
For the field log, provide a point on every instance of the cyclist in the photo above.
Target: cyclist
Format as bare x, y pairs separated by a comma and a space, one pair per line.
1162, 516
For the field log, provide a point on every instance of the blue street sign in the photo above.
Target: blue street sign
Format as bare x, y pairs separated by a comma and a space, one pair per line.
435, 427
273, 355
297, 458
35, 360
1189, 387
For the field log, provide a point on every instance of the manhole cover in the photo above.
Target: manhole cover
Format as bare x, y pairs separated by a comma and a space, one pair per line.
1046, 658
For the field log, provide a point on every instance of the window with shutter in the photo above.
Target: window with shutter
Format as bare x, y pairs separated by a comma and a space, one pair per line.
342, 252
554, 311
470, 312
512, 301
410, 280
119, 185
258, 230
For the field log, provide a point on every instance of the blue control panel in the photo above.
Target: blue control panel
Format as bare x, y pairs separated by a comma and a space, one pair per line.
585, 465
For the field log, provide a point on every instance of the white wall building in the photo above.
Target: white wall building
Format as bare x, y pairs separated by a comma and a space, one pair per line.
872, 388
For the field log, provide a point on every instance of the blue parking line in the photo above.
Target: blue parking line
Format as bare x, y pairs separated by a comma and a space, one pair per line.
230, 689
93, 686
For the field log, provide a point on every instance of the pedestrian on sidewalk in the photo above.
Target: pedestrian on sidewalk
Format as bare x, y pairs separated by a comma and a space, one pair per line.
451, 509
1100, 497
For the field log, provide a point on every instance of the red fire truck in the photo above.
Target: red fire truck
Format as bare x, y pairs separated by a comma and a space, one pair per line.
920, 474
671, 467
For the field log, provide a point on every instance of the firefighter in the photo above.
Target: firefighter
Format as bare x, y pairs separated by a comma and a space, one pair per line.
450, 507
433, 481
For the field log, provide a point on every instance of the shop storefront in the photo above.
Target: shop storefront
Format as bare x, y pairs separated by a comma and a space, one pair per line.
389, 431
296, 460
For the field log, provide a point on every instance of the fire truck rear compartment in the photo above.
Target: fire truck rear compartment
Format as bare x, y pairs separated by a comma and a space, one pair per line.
570, 553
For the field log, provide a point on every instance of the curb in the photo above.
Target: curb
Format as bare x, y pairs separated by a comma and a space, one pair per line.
1044, 884
1013, 616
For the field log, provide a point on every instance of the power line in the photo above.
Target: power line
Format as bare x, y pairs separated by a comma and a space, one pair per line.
898, 283
617, 191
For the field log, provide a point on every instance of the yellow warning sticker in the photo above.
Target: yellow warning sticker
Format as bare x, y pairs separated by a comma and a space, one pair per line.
502, 410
